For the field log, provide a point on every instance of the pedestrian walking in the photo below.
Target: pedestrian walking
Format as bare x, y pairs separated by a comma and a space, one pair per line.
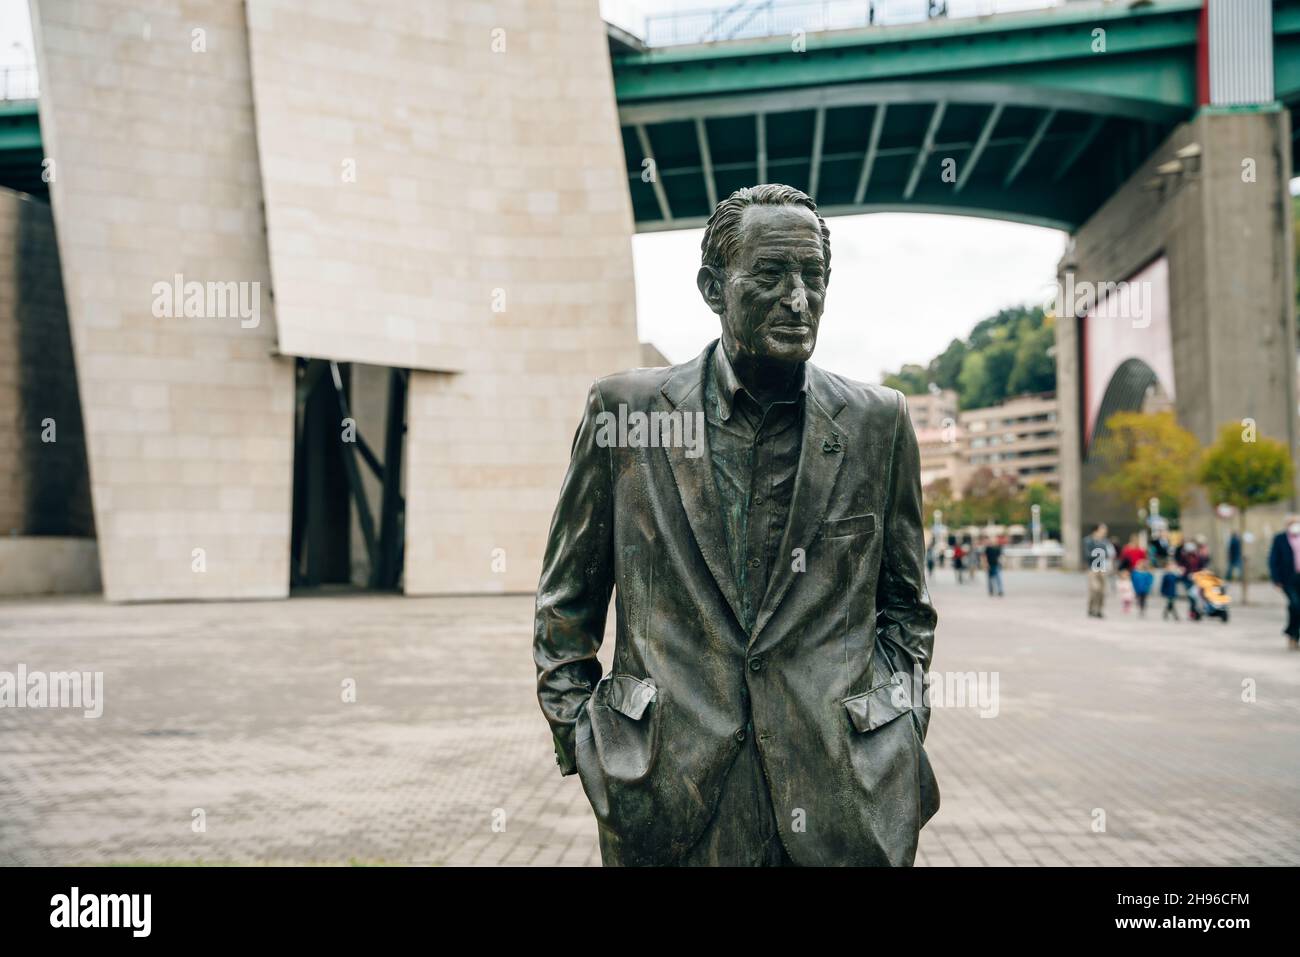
1284, 570
993, 565
1169, 590
1098, 557
1125, 589
1234, 557
1143, 581
1131, 554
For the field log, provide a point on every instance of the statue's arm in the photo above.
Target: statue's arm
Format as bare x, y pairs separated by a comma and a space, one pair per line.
577, 580
905, 619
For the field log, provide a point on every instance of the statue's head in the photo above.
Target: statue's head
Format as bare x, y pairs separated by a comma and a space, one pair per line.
766, 263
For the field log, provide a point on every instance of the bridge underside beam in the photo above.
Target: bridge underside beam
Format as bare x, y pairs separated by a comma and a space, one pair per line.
1026, 163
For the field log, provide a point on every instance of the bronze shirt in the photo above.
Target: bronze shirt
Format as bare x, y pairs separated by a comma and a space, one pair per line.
755, 457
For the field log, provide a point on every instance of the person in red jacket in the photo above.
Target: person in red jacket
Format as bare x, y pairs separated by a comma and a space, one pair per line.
1131, 554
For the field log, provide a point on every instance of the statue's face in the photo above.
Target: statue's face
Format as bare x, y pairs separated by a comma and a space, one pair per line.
772, 292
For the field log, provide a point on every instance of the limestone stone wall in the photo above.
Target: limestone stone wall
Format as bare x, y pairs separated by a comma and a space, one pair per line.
543, 179
445, 192
146, 110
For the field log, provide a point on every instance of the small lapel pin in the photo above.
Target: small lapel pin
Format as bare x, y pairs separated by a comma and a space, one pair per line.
832, 444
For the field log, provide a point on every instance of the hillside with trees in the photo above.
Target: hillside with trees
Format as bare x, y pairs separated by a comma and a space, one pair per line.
1005, 355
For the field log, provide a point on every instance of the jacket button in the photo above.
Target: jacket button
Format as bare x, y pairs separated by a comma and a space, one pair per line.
740, 735
755, 664
753, 563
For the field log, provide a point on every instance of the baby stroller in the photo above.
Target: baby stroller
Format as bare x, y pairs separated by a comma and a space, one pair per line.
1208, 597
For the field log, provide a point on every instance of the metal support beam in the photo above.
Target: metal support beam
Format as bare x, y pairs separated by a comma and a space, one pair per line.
869, 160
368, 454
760, 130
1023, 159
314, 369
387, 571
354, 473
927, 146
706, 161
819, 137
1084, 141
655, 180
298, 520
1060, 142
981, 144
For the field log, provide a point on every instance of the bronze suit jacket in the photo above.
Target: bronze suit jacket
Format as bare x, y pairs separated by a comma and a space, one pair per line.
825, 679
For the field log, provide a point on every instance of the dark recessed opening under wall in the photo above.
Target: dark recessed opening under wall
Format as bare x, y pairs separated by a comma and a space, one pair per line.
348, 494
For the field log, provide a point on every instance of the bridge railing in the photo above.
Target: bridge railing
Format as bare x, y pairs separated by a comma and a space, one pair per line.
19, 82
749, 19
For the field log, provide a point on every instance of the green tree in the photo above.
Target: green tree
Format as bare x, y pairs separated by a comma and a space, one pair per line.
973, 382
910, 380
1004, 323
999, 360
1245, 470
1035, 367
938, 496
1146, 456
946, 367
1049, 507
1005, 354
991, 498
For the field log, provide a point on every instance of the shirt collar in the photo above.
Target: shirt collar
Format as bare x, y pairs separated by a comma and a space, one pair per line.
728, 384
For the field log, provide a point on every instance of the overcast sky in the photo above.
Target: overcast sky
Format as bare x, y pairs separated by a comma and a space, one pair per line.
15, 33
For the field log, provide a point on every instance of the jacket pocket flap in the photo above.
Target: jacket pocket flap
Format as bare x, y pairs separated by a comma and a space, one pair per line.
878, 706
853, 525
630, 696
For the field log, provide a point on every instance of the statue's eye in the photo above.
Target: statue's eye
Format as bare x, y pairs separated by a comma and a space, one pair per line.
769, 275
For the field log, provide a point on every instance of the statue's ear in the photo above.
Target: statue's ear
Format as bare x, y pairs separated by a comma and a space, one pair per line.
709, 281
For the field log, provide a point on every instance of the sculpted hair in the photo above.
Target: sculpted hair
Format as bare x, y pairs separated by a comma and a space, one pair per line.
722, 234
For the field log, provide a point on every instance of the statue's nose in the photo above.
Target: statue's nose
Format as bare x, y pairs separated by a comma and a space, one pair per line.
797, 299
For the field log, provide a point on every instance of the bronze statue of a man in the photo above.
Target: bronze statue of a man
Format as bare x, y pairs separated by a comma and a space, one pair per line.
759, 521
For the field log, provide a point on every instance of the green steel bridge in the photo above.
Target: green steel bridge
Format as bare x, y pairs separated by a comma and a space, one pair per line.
1043, 114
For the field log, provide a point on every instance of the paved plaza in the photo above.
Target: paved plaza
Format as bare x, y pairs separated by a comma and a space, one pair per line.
1114, 742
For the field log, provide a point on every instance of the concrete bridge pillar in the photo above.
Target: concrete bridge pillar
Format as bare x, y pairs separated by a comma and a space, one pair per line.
1206, 224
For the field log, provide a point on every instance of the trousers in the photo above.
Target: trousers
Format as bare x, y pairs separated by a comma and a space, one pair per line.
1096, 592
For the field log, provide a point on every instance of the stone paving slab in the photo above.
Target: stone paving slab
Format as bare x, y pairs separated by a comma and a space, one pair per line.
237, 711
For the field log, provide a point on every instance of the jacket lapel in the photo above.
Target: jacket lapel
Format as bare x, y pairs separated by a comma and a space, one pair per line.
823, 449
694, 478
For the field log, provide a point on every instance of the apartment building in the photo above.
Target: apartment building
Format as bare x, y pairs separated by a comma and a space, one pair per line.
1020, 437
